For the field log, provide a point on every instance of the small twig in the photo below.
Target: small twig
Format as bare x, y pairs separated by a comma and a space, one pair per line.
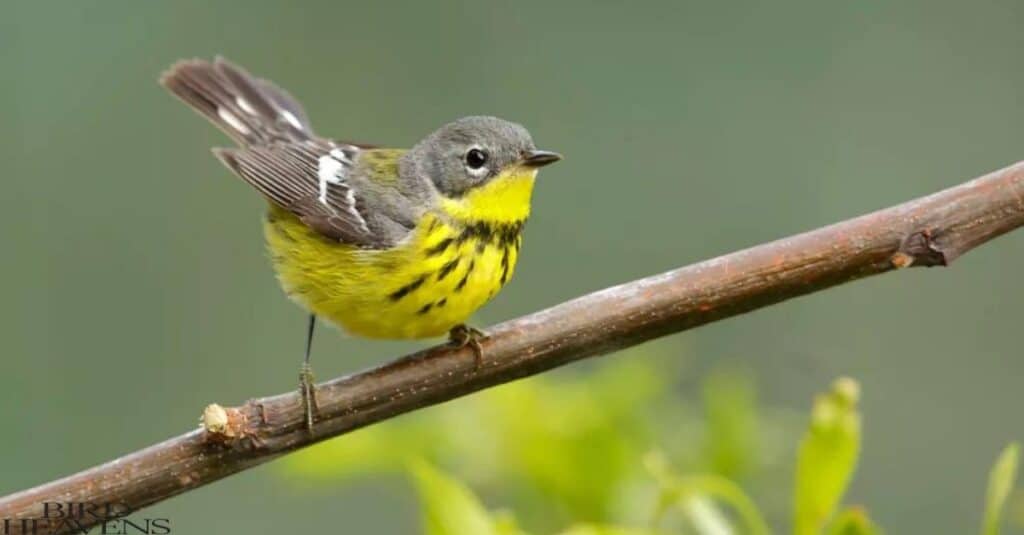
930, 231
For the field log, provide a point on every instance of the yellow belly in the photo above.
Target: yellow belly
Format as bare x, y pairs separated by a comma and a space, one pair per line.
429, 283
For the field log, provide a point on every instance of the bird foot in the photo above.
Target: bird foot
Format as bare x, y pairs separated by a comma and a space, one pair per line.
307, 390
463, 335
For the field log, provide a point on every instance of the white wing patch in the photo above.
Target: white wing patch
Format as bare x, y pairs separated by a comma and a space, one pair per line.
330, 171
232, 121
244, 104
292, 119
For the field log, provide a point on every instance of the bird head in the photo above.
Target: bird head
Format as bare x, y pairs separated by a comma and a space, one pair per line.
485, 164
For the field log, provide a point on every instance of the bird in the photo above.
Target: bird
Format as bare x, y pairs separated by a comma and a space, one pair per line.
385, 243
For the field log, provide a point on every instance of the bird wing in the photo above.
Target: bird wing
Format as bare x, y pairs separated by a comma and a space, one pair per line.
311, 180
278, 153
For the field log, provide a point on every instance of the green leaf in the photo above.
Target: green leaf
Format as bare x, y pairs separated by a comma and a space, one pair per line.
705, 516
505, 524
693, 495
605, 530
1000, 483
827, 456
576, 441
729, 405
449, 507
853, 521
724, 491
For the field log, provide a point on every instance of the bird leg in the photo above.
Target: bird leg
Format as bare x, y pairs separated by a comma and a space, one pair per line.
307, 384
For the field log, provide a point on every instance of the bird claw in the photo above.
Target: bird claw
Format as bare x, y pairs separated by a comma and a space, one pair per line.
464, 335
307, 390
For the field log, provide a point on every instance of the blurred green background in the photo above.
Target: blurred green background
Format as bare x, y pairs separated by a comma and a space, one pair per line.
135, 288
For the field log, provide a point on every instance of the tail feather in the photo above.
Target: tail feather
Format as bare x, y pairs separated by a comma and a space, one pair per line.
249, 110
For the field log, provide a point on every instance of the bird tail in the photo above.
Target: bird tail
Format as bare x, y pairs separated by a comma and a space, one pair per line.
252, 111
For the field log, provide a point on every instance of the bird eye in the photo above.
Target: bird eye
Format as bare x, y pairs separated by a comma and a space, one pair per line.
475, 159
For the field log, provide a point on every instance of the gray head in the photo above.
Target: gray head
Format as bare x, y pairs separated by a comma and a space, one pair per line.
471, 151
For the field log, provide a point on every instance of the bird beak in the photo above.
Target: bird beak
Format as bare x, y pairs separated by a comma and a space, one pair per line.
540, 158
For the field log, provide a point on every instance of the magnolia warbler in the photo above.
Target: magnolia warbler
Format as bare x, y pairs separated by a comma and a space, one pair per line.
385, 243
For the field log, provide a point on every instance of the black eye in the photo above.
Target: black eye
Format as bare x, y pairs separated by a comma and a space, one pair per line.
476, 158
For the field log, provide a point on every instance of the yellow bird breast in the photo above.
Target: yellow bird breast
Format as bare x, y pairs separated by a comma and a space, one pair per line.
435, 279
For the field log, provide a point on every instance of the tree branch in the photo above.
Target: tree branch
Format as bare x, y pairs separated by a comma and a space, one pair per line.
929, 231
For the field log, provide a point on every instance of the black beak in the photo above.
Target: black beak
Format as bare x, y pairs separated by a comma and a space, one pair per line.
540, 158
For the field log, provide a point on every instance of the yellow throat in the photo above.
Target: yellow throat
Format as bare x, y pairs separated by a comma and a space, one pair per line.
504, 199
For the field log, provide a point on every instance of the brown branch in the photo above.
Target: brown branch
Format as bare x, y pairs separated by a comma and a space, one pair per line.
929, 231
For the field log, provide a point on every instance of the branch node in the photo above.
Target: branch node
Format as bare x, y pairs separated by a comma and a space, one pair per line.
901, 260
223, 425
920, 249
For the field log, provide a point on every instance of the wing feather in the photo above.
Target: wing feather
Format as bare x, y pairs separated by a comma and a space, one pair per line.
278, 153
292, 176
